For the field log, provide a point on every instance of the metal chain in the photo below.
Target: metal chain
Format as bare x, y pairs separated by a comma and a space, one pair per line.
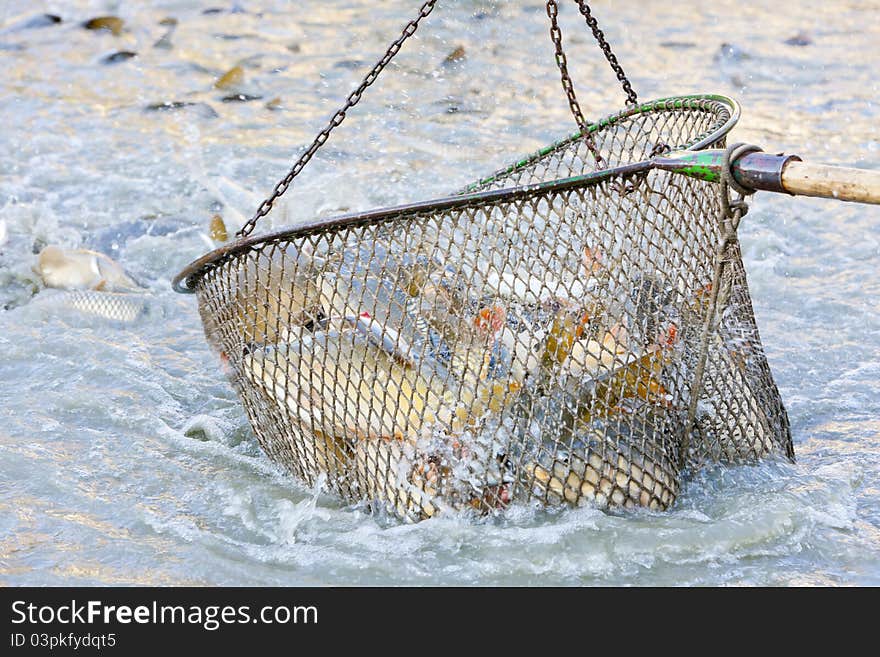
562, 63
631, 98
338, 118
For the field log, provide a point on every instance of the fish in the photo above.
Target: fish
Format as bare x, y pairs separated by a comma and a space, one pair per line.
240, 98
477, 373
351, 402
217, 229
483, 372
608, 427
164, 42
315, 453
407, 270
81, 269
560, 339
628, 461
342, 385
4, 233
529, 289
385, 337
590, 357
592, 261
523, 349
639, 379
274, 297
34, 22
118, 57
343, 295
349, 64
471, 347
231, 79
112, 24
568, 288
799, 39
443, 301
114, 306
307, 452
381, 295
457, 55
203, 109
392, 473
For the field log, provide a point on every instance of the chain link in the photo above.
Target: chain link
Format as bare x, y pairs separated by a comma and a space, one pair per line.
410, 29
631, 98
562, 63
352, 100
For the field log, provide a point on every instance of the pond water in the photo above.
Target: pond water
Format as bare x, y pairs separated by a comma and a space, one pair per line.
125, 456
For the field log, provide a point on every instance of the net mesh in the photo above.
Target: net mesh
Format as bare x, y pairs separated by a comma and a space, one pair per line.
534, 338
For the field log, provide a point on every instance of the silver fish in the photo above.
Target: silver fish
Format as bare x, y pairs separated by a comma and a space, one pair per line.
114, 306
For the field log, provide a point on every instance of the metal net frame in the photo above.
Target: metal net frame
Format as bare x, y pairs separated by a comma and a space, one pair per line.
524, 340
573, 329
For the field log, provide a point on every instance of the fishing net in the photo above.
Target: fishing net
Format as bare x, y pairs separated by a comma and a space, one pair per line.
574, 329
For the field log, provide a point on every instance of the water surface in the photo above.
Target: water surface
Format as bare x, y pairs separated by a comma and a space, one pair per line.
125, 457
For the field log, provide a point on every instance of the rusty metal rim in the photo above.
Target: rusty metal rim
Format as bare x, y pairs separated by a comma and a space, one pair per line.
187, 279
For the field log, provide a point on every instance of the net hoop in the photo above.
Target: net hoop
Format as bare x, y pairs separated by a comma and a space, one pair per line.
726, 108
556, 331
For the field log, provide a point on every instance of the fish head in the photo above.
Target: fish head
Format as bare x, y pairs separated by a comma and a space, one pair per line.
50, 259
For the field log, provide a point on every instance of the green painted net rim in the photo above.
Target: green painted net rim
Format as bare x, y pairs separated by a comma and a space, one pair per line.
187, 280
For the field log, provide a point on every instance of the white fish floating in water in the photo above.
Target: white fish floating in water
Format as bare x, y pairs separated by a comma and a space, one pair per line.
115, 306
81, 269
4, 235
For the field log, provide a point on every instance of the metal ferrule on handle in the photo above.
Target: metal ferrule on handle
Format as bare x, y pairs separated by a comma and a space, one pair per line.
778, 173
